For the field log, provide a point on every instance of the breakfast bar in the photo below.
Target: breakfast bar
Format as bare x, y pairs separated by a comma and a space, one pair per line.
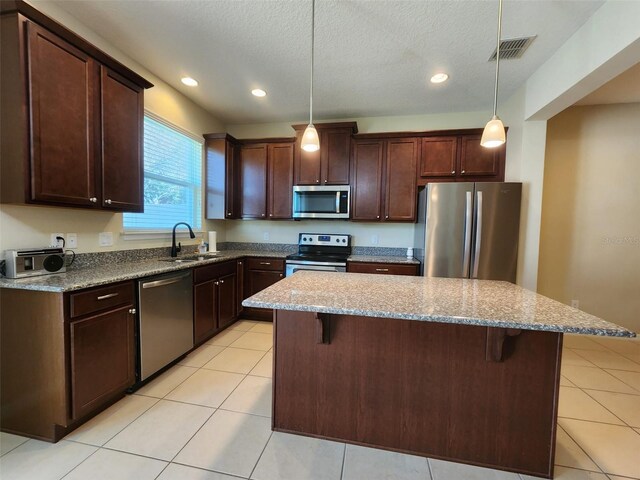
456, 369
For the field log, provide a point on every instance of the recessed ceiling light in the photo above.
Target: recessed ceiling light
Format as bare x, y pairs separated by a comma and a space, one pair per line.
189, 82
258, 92
439, 78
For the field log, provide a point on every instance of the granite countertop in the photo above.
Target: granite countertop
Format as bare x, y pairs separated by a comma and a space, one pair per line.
449, 300
383, 259
77, 279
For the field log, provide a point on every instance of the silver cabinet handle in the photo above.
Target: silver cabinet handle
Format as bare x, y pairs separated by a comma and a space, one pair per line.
453, 172
382, 269
108, 201
93, 199
228, 214
271, 214
216, 283
221, 281
263, 214
110, 295
132, 311
462, 171
265, 263
377, 216
239, 263
386, 216
281, 275
317, 181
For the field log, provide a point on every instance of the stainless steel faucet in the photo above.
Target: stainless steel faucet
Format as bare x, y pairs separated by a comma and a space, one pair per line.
174, 249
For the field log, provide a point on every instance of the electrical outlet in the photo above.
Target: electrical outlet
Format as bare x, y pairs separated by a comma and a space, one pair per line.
266, 236
72, 240
55, 242
575, 304
374, 239
105, 239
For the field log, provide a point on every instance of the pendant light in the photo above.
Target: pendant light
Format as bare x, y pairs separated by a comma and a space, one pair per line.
310, 140
493, 134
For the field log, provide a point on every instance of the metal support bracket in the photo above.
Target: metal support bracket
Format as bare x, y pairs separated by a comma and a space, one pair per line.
323, 328
495, 342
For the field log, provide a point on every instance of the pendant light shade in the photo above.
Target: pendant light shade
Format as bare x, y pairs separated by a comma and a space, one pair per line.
493, 135
310, 139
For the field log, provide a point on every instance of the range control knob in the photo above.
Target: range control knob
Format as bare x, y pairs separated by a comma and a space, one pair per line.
337, 240
344, 240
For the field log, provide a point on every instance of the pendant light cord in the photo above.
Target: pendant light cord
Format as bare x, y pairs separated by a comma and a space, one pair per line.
495, 97
313, 13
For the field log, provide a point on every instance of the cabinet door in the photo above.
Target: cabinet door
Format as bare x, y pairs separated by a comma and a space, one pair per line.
478, 161
400, 180
63, 88
102, 359
439, 156
280, 180
239, 286
307, 164
258, 280
226, 300
383, 268
230, 193
121, 104
335, 148
205, 312
253, 181
366, 180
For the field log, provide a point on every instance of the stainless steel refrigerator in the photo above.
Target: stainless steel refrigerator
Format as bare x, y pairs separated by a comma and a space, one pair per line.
469, 230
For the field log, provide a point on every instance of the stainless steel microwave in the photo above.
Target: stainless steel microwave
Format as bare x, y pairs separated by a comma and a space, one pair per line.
321, 201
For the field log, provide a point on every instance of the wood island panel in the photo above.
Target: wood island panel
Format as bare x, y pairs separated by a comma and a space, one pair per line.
423, 388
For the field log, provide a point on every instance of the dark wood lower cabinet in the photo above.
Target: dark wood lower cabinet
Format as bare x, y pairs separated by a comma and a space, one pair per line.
214, 299
260, 273
424, 388
102, 349
383, 268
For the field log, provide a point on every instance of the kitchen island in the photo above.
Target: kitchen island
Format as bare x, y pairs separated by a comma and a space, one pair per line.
457, 369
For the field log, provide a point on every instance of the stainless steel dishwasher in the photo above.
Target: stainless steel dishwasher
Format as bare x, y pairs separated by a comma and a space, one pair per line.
165, 321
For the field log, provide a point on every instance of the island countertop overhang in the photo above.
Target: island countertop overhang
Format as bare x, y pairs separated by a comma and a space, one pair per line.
446, 300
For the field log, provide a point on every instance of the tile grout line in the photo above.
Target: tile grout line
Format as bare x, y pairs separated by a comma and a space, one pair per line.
208, 470
606, 408
261, 453
344, 456
92, 454
194, 434
431, 477
20, 444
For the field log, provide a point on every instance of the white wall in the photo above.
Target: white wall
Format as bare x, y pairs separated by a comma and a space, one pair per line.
31, 226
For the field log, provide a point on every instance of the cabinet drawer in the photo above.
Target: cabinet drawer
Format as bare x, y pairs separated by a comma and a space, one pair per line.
209, 272
101, 298
382, 268
275, 264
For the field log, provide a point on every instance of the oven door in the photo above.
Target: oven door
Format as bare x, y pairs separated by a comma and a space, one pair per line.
298, 265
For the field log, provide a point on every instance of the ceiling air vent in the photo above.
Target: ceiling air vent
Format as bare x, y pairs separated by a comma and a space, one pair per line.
513, 48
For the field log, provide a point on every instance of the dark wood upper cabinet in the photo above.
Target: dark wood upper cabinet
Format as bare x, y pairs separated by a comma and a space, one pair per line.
253, 181
280, 180
63, 85
122, 111
400, 200
330, 165
72, 118
439, 156
266, 178
457, 156
366, 179
478, 161
222, 172
383, 181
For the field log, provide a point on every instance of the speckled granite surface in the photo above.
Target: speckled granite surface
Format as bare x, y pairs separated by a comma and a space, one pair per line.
448, 300
382, 259
380, 251
93, 276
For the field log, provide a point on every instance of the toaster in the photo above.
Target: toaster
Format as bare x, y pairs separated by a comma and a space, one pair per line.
34, 261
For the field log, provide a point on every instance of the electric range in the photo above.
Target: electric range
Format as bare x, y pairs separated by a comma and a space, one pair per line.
320, 252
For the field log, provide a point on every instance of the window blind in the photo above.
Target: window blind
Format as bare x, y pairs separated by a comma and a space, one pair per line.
172, 179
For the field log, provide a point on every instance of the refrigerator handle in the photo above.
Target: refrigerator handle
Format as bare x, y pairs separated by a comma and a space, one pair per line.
467, 235
476, 255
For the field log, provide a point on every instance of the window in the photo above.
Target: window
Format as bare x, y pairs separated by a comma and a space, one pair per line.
172, 179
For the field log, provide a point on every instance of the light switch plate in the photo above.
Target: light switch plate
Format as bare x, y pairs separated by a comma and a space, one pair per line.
266, 236
72, 240
105, 239
374, 239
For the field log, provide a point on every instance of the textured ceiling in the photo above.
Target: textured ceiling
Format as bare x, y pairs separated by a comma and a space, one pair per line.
372, 57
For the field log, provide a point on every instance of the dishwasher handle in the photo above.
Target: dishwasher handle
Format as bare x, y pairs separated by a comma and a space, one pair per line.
167, 281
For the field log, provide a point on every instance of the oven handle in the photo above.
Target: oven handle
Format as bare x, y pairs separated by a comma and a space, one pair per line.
316, 268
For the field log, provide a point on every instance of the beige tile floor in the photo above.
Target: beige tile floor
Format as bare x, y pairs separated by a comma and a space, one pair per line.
208, 418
